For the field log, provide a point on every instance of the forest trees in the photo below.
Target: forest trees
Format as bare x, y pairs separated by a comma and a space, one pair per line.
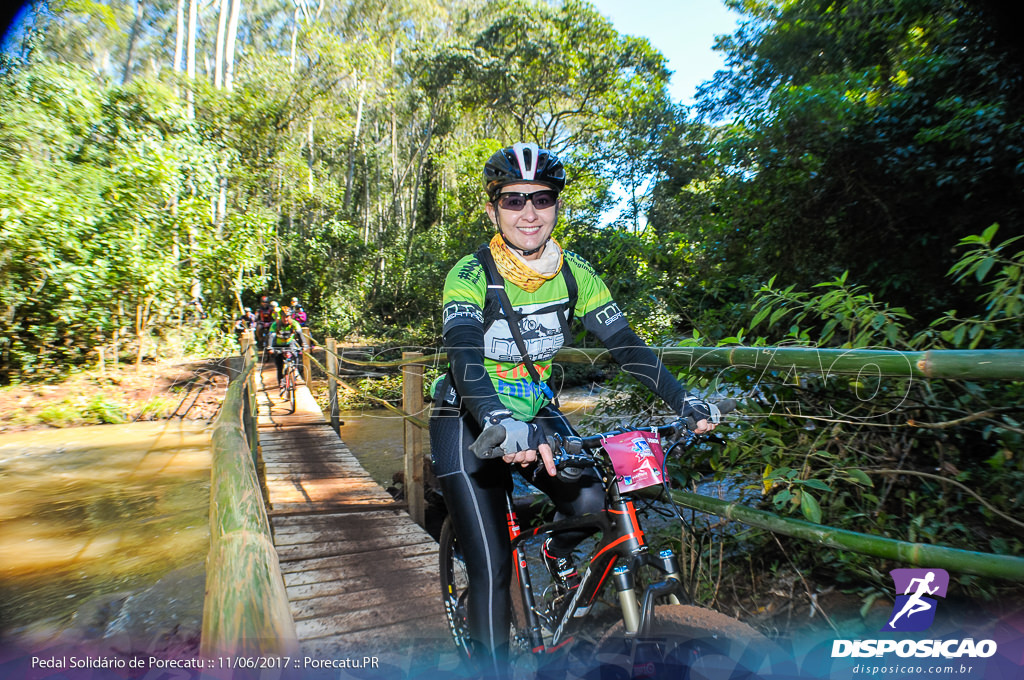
864, 136
105, 201
337, 160
823, 191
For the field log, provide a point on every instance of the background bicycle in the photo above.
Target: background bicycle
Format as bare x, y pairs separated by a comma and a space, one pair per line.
289, 373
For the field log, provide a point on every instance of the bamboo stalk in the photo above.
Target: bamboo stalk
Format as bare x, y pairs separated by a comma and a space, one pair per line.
994, 364
918, 554
990, 364
246, 607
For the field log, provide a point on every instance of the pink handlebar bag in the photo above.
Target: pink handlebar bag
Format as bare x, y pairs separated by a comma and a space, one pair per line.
637, 459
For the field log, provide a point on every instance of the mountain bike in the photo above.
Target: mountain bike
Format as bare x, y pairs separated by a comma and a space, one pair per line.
289, 374
659, 631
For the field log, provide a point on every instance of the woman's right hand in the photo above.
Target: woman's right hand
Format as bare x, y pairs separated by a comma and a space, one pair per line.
513, 440
528, 457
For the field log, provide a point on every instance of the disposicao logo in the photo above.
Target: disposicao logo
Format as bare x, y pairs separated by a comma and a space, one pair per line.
914, 610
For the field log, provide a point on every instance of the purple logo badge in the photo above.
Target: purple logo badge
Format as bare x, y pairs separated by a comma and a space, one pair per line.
914, 610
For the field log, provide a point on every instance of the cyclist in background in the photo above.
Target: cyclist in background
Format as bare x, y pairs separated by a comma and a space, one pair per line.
264, 317
244, 322
499, 365
298, 313
285, 334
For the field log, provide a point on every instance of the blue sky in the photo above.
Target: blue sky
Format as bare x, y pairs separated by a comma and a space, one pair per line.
683, 30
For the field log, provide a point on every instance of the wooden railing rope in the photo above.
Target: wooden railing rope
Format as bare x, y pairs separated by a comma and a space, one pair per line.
246, 610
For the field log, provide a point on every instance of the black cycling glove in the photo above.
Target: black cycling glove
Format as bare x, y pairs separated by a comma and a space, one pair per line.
698, 410
519, 436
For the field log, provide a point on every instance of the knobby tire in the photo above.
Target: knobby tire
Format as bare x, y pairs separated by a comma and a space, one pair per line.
686, 641
454, 584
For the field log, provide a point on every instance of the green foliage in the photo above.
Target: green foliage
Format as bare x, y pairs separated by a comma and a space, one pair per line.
898, 457
864, 137
105, 202
854, 152
1002, 296
846, 316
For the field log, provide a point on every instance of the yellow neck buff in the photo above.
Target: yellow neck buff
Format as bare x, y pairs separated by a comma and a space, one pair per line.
527, 275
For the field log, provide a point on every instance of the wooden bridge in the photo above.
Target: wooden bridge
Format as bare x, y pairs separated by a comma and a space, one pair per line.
360, 575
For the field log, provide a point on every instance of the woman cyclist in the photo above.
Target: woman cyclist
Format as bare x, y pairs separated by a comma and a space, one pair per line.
491, 382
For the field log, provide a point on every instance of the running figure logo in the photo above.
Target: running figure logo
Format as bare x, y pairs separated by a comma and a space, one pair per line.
914, 610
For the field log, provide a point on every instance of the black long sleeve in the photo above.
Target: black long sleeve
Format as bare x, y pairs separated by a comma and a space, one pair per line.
465, 356
637, 359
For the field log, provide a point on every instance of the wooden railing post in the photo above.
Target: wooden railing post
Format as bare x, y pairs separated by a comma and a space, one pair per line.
412, 404
306, 343
332, 383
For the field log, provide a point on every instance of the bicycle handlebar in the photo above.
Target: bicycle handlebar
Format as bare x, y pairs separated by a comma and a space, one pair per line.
281, 350
488, 444
688, 423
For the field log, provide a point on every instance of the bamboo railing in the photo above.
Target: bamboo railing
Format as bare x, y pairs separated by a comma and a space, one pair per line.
918, 554
932, 364
245, 612
990, 364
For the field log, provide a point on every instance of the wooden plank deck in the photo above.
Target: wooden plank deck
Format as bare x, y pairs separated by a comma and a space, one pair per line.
361, 576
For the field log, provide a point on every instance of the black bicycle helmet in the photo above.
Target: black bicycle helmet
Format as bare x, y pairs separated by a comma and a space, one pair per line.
522, 162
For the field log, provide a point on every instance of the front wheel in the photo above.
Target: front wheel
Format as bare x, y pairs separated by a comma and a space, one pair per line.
454, 587
454, 595
292, 382
686, 641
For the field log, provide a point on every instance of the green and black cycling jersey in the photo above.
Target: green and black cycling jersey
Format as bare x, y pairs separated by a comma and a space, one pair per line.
284, 334
486, 366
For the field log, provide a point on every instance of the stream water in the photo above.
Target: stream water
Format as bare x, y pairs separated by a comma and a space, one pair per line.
375, 435
92, 519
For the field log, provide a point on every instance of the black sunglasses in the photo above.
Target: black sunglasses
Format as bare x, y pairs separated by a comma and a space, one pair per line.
515, 201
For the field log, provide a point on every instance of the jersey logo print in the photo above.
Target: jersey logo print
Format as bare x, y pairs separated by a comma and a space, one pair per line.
542, 335
470, 270
608, 314
581, 263
462, 310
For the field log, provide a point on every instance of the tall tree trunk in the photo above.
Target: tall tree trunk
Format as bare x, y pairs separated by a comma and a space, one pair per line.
238, 288
229, 45
141, 326
309, 161
222, 22
132, 38
222, 204
295, 40
190, 57
355, 143
179, 36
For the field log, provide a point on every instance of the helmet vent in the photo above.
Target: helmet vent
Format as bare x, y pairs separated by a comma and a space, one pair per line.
527, 155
